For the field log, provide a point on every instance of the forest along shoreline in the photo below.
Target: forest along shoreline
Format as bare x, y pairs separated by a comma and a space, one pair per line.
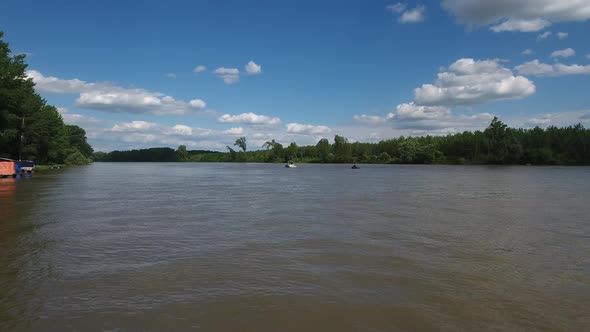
496, 145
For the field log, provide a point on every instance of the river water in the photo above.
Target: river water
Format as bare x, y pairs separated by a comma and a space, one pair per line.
258, 247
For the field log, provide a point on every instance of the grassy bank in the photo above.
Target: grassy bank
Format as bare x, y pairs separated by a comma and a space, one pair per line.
41, 168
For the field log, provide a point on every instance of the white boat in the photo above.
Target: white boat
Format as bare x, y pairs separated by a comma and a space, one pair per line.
27, 166
290, 164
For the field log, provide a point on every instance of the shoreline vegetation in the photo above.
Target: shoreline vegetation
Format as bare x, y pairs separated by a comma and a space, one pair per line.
29, 128
43, 167
496, 145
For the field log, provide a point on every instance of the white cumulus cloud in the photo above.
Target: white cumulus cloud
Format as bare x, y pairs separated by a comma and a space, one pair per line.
249, 118
234, 131
197, 103
558, 119
107, 97
130, 101
143, 132
544, 35
528, 51
410, 111
498, 12
182, 130
566, 53
199, 69
413, 15
410, 115
133, 126
252, 68
228, 75
537, 68
298, 128
426, 120
373, 119
562, 35
55, 85
406, 16
521, 25
465, 82
469, 82
77, 119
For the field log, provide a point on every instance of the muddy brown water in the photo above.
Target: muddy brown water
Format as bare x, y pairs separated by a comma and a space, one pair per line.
258, 247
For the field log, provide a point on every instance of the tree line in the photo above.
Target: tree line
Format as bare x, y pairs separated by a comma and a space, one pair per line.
497, 144
154, 154
29, 128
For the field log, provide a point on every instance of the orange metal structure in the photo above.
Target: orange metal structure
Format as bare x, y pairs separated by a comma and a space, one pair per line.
7, 168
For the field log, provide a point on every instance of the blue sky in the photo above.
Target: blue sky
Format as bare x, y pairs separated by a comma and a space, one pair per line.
368, 70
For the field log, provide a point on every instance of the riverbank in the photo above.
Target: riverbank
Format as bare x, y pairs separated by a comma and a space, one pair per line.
315, 162
41, 168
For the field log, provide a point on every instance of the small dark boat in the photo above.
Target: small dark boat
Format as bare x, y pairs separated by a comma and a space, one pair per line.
355, 167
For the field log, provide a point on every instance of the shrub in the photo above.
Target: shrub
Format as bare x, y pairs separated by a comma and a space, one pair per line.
76, 158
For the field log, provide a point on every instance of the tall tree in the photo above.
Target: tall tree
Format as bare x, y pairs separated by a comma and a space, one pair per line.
323, 148
17, 100
277, 152
503, 147
181, 153
269, 144
29, 128
241, 143
342, 149
232, 153
77, 140
291, 151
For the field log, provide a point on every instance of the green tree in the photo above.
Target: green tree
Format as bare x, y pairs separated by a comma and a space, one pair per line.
408, 150
278, 152
342, 149
76, 158
100, 156
241, 143
77, 140
181, 153
29, 128
269, 144
503, 147
17, 100
324, 149
384, 157
47, 134
232, 153
291, 151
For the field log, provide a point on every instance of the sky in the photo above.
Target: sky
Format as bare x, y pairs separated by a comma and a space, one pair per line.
137, 74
